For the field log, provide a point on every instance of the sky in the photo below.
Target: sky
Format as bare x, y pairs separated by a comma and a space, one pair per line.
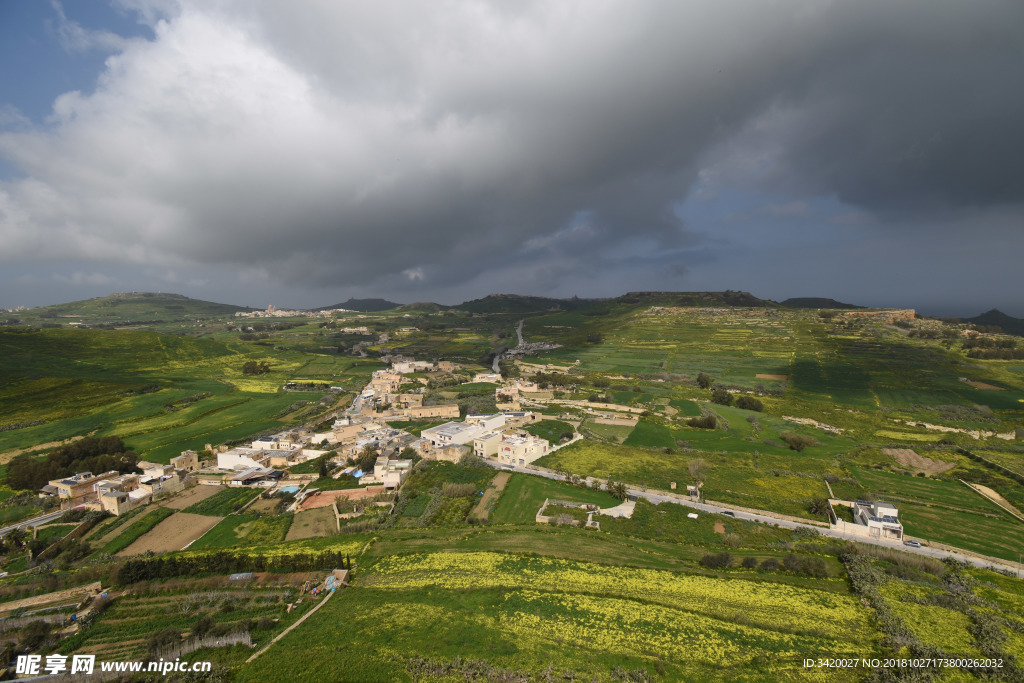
256, 152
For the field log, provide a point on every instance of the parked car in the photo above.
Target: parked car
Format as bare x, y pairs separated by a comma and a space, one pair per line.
912, 544
731, 514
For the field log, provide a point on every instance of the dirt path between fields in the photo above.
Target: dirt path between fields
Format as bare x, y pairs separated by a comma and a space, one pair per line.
482, 510
996, 498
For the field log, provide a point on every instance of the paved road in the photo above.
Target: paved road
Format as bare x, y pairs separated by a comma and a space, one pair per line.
35, 521
519, 331
656, 498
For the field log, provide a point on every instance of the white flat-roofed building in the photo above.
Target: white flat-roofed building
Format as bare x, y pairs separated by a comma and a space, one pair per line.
389, 472
241, 458
490, 422
881, 519
451, 433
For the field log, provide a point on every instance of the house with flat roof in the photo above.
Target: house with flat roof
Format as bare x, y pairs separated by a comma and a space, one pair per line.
390, 472
522, 450
242, 458
80, 488
486, 445
452, 434
880, 519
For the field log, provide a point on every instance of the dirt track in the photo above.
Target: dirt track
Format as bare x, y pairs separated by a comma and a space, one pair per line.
493, 492
909, 458
174, 533
325, 498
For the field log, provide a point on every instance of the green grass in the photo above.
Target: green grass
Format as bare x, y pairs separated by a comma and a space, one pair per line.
245, 530
223, 502
524, 494
438, 473
136, 530
55, 532
650, 435
17, 513
417, 505
552, 430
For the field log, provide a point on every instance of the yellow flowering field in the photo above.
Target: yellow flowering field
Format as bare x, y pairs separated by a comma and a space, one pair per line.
769, 605
614, 625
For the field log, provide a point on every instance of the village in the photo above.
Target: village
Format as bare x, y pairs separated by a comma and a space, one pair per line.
357, 431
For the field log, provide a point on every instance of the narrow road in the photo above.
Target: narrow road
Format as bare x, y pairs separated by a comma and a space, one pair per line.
35, 521
288, 630
497, 359
657, 498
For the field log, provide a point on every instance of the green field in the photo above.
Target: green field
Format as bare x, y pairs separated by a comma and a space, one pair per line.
524, 494
223, 502
552, 430
244, 530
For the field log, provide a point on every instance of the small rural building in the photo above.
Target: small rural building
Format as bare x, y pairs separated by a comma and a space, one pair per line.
187, 461
880, 519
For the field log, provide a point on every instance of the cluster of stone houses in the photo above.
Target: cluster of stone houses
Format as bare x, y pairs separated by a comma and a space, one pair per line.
496, 436
383, 395
119, 493
255, 464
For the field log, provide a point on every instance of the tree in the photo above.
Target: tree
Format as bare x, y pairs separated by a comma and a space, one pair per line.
749, 403
323, 467
617, 490
698, 470
798, 442
251, 367
704, 381
705, 422
721, 397
717, 560
818, 506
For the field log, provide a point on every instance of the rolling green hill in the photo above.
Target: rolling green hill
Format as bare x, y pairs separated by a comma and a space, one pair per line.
128, 308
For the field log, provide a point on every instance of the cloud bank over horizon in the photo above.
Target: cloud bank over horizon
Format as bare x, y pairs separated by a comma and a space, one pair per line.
305, 153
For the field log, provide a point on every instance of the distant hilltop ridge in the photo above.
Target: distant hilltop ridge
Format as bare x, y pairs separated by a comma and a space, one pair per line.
1007, 323
141, 307
816, 302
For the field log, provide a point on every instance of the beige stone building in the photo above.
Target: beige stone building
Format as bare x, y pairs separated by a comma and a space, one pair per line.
187, 461
80, 488
522, 450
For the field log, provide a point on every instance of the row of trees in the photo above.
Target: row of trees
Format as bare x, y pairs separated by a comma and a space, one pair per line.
91, 454
223, 562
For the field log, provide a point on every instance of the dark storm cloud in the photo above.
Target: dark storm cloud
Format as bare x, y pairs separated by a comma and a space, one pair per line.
431, 146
